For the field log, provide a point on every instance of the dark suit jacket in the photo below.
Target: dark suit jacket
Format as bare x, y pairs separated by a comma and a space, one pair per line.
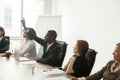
105, 73
4, 44
51, 56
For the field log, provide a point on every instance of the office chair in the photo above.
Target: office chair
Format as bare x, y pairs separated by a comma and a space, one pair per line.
5, 44
63, 52
90, 57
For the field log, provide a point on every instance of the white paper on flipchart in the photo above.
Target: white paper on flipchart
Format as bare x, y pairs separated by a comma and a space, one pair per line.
51, 71
58, 78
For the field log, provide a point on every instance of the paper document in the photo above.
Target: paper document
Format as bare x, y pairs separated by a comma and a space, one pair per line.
52, 71
58, 78
24, 59
28, 62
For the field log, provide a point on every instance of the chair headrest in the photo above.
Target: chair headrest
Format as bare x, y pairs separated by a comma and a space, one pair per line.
90, 55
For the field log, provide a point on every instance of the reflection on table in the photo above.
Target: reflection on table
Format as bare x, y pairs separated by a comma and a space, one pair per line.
11, 69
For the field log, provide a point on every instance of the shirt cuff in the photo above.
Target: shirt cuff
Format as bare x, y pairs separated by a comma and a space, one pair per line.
27, 30
83, 78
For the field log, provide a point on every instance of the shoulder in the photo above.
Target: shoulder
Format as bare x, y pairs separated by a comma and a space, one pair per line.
57, 44
32, 42
110, 62
6, 37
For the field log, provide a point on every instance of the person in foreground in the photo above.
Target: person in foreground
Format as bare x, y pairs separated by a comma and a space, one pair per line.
4, 41
28, 47
111, 71
77, 65
51, 48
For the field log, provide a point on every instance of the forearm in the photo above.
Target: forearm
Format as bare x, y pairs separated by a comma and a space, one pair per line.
65, 67
81, 78
69, 69
35, 37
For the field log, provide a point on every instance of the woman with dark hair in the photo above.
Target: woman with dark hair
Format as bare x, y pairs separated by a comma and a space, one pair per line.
77, 65
4, 41
28, 47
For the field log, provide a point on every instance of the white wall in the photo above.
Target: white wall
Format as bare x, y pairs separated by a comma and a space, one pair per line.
97, 21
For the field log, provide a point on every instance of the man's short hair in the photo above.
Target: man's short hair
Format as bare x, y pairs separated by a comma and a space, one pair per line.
53, 33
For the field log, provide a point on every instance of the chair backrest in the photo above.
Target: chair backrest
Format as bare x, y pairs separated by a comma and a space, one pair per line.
63, 52
5, 44
90, 57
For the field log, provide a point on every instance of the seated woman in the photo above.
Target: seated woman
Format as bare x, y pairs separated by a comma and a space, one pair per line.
28, 47
111, 71
4, 41
77, 65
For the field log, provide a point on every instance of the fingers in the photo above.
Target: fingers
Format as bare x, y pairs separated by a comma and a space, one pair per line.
23, 23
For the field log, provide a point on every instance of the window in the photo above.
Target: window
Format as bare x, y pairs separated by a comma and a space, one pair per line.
8, 18
12, 16
13, 11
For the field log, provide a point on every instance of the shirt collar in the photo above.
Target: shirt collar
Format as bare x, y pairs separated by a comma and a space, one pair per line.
1, 38
49, 45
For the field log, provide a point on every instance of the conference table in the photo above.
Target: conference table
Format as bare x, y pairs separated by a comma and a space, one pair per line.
11, 69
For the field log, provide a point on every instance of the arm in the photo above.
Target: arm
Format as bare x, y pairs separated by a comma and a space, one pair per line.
69, 69
23, 23
31, 32
65, 67
27, 49
83, 78
96, 76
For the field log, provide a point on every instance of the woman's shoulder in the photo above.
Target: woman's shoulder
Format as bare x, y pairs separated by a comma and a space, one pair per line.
110, 62
31, 42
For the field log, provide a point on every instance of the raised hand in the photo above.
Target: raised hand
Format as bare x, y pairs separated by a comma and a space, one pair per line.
23, 23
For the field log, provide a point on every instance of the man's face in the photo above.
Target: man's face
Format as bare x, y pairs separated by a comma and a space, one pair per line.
117, 53
48, 37
75, 49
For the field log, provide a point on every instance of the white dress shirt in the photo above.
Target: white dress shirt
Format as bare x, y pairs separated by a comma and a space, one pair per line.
28, 48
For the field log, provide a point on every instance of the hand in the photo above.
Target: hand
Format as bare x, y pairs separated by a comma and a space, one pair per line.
72, 59
23, 23
73, 78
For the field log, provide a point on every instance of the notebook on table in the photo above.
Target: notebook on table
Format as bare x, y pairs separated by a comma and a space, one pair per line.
58, 78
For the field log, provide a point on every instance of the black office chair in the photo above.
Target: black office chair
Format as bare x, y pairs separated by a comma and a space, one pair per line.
90, 57
63, 52
5, 44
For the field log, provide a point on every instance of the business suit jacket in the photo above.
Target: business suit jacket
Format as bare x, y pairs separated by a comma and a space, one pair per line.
50, 56
105, 73
4, 44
